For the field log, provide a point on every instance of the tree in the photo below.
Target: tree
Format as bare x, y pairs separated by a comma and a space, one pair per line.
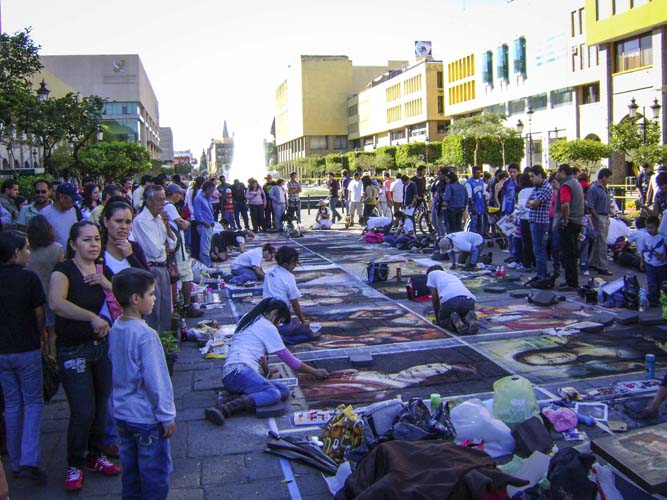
482, 127
183, 168
453, 151
628, 137
19, 61
408, 155
582, 153
115, 160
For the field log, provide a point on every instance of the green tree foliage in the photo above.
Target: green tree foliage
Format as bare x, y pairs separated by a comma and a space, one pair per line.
453, 151
385, 158
19, 61
335, 163
460, 151
408, 155
651, 154
582, 153
361, 161
26, 182
628, 139
183, 169
492, 141
115, 160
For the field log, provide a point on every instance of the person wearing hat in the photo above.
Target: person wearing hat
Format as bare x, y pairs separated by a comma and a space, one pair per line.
228, 210
62, 214
323, 216
462, 241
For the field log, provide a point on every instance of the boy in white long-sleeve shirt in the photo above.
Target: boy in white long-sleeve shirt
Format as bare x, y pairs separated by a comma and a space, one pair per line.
143, 397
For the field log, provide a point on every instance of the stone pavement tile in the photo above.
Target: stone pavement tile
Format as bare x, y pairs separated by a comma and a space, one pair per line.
182, 381
262, 466
238, 435
270, 489
211, 379
187, 473
179, 442
201, 399
224, 469
190, 414
186, 494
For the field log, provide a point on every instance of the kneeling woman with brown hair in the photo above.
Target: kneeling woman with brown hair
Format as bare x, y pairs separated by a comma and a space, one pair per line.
256, 337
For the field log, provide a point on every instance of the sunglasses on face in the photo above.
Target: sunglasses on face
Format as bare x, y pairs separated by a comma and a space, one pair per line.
38, 191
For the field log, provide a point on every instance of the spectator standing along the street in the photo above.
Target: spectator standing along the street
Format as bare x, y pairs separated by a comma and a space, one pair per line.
42, 193
10, 190
355, 195
344, 184
599, 206
397, 188
387, 182
455, 198
138, 194
240, 204
334, 187
538, 204
475, 190
278, 198
205, 221
257, 203
294, 196
152, 231
62, 214
568, 218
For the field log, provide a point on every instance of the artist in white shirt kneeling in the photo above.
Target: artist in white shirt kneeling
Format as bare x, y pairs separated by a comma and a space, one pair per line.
453, 303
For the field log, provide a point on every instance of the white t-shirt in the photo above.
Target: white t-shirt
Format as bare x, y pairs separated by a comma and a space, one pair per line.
249, 258
171, 210
523, 210
355, 188
280, 284
114, 264
448, 286
397, 190
251, 344
464, 241
378, 222
408, 226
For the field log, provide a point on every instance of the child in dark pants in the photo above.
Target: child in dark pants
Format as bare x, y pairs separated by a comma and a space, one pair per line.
143, 397
652, 247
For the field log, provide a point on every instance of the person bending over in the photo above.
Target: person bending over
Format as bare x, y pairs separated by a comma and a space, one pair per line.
405, 232
652, 409
463, 241
453, 303
246, 366
248, 265
222, 240
279, 283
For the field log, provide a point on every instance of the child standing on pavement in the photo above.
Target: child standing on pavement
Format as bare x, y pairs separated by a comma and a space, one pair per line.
653, 249
143, 397
228, 208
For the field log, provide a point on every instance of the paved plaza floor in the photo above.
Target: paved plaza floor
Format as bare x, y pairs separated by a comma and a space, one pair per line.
228, 462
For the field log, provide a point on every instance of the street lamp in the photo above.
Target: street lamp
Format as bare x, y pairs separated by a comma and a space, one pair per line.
43, 92
655, 108
426, 141
530, 112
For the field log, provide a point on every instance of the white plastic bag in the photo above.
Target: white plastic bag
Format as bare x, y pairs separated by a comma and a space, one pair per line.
472, 420
603, 476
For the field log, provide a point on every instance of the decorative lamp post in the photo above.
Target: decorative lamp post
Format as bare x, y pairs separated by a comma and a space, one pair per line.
43, 92
426, 141
530, 112
632, 111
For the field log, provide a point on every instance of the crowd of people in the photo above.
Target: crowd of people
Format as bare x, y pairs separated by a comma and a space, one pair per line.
79, 263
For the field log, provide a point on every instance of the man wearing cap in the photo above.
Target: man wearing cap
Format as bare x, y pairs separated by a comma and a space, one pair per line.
62, 214
462, 241
175, 194
152, 231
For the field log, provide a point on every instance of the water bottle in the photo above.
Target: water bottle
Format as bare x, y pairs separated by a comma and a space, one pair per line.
650, 366
184, 330
209, 295
502, 271
643, 299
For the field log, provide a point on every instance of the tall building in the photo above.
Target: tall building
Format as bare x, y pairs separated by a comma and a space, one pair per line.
400, 106
632, 38
166, 145
132, 113
542, 75
311, 104
220, 153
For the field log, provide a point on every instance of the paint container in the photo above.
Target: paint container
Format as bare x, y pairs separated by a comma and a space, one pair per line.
650, 366
436, 399
398, 274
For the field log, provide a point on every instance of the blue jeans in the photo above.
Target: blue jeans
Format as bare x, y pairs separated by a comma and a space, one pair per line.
21, 380
477, 224
295, 332
459, 304
146, 461
85, 372
262, 391
538, 233
241, 208
205, 235
243, 274
110, 429
655, 277
395, 241
333, 201
278, 212
229, 219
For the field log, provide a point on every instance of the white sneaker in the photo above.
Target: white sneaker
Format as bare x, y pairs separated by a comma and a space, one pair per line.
521, 269
513, 265
587, 272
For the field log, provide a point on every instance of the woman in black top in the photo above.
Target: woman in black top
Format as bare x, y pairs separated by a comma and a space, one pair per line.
77, 297
21, 330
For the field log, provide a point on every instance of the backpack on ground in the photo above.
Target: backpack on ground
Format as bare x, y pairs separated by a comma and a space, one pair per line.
377, 271
417, 289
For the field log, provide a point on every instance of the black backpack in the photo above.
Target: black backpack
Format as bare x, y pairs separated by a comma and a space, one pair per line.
377, 271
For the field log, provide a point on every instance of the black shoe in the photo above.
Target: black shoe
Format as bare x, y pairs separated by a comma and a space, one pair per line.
605, 272
33, 473
214, 416
564, 287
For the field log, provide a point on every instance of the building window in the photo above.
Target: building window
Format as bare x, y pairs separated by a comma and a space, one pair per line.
574, 22
441, 104
621, 6
353, 110
413, 84
394, 114
487, 67
496, 108
339, 142
538, 101
590, 93
413, 108
638, 3
603, 9
502, 62
318, 142
397, 134
517, 106
561, 97
520, 56
393, 92
582, 20
634, 53
439, 80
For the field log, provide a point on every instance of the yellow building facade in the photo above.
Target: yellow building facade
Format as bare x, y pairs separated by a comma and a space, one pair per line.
311, 104
401, 106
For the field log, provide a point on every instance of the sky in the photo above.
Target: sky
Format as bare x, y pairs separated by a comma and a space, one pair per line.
215, 60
